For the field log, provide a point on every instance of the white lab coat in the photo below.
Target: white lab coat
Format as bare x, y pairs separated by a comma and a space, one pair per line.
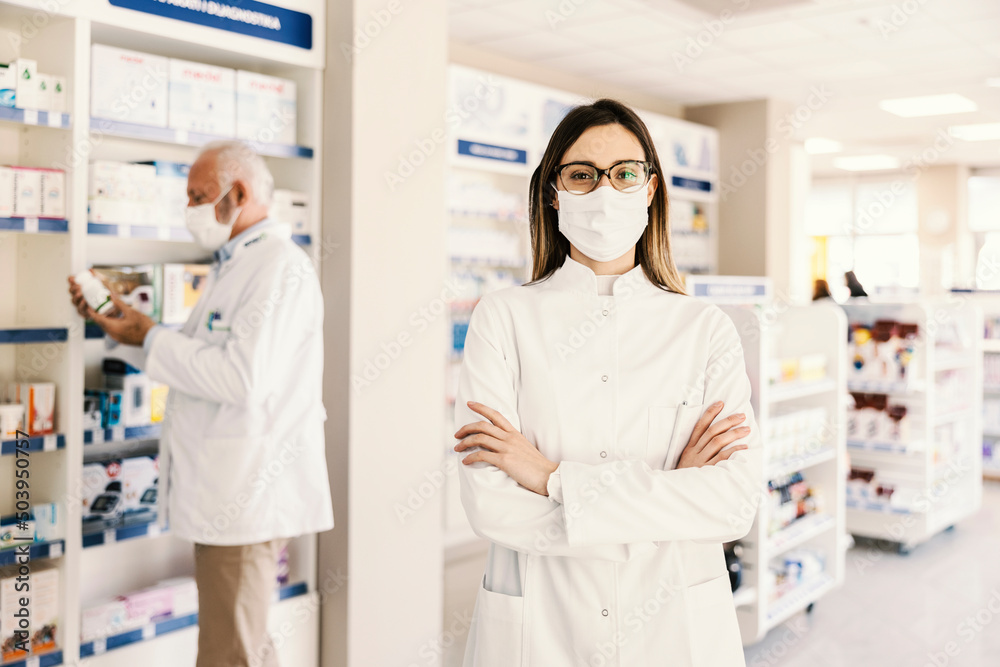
243, 442
623, 564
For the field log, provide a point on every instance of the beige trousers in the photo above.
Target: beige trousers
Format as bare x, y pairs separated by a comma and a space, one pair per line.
235, 588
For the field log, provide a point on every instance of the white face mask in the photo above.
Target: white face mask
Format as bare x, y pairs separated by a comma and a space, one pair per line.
605, 223
206, 229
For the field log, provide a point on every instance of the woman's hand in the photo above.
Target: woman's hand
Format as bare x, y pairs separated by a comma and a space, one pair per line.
125, 324
504, 447
704, 448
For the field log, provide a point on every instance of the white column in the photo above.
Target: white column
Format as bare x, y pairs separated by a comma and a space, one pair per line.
384, 204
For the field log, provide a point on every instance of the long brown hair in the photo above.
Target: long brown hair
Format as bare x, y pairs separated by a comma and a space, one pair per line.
549, 248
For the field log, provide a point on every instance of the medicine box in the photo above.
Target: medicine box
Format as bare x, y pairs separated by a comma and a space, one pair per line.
43, 91
15, 604
128, 86
291, 208
53, 193
57, 95
47, 522
139, 474
45, 624
11, 535
184, 592
95, 479
183, 285
265, 108
147, 606
158, 402
169, 192
8, 86
27, 192
39, 401
104, 618
26, 71
135, 387
202, 98
6, 192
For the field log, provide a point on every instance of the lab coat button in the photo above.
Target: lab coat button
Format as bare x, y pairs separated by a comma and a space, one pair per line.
604, 378
604, 312
604, 612
604, 455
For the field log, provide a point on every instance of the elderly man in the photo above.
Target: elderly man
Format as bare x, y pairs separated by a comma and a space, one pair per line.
242, 443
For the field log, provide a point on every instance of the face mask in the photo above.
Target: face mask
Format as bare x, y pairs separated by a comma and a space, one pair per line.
207, 231
605, 223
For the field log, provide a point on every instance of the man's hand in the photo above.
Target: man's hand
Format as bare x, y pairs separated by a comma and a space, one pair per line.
125, 324
704, 448
503, 446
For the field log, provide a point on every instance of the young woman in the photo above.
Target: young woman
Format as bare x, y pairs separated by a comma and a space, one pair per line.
609, 445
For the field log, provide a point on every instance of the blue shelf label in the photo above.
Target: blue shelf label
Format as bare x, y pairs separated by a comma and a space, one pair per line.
691, 184
245, 17
491, 152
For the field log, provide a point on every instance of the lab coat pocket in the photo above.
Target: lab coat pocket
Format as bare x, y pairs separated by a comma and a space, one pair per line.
714, 631
495, 637
669, 431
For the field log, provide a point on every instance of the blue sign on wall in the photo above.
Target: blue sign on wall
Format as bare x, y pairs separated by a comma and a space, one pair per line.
491, 152
246, 17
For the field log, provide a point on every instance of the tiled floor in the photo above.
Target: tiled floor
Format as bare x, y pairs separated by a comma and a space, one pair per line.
893, 611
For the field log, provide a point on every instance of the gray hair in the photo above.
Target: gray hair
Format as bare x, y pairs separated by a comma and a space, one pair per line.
236, 160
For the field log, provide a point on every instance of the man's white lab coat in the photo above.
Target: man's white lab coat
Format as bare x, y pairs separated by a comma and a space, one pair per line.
243, 442
623, 564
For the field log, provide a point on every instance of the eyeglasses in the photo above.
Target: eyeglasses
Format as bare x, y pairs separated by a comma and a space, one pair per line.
579, 178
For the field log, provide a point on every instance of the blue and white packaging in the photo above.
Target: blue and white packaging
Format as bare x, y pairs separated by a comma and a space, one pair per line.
266, 109
8, 86
128, 86
202, 98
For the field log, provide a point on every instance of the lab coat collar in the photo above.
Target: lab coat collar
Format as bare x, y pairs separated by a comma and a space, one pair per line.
576, 277
249, 235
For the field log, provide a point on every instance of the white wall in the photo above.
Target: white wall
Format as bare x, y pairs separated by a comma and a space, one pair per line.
382, 105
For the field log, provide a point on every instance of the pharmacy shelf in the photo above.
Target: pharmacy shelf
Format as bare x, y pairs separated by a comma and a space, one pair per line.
877, 387
151, 232
875, 506
24, 336
51, 659
36, 443
911, 447
799, 598
946, 360
118, 434
792, 464
799, 532
168, 135
168, 625
798, 331
744, 596
788, 391
122, 533
37, 551
33, 117
34, 225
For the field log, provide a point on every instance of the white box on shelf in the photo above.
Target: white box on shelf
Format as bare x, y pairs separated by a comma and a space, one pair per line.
184, 592
202, 98
292, 208
27, 192
169, 192
26, 71
106, 617
43, 91
139, 474
39, 401
53, 193
8, 86
266, 108
57, 95
6, 192
94, 481
129, 86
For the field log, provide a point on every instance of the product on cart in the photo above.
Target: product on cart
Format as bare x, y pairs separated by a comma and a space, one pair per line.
11, 420
791, 497
793, 569
882, 352
39, 401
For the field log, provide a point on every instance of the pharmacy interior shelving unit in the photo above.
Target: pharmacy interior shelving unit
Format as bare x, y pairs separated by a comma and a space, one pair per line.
919, 471
498, 131
42, 338
989, 302
794, 358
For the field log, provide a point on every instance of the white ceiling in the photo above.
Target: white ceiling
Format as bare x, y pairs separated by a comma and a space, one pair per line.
862, 51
